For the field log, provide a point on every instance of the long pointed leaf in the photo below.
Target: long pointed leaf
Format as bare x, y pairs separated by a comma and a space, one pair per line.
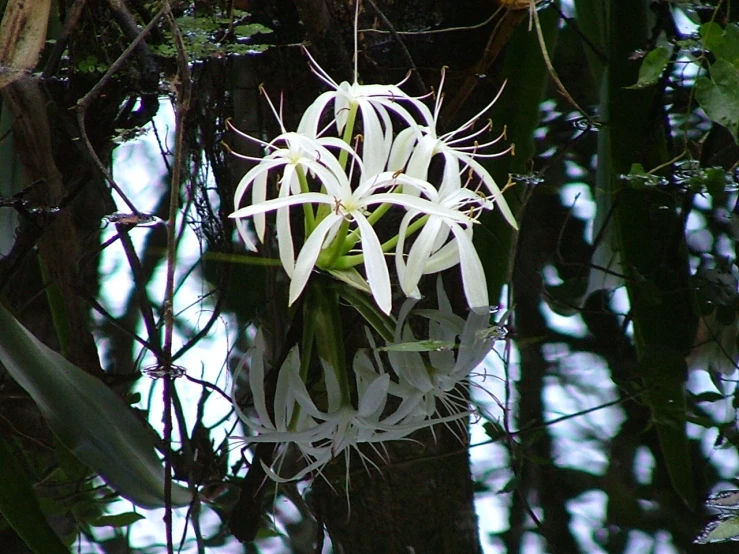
87, 417
21, 510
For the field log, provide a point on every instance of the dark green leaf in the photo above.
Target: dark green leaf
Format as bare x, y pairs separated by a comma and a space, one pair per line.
719, 95
653, 66
94, 423
21, 510
708, 396
117, 520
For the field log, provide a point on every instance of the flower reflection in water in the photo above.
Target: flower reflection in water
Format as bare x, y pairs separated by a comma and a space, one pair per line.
398, 388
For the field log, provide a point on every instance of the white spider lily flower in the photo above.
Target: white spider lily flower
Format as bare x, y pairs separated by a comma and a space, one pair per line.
374, 104
349, 207
432, 252
297, 156
436, 379
319, 436
284, 425
416, 151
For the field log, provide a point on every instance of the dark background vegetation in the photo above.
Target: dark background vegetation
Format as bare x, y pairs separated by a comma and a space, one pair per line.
678, 287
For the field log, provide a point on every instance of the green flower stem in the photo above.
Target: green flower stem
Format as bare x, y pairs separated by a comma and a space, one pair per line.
328, 256
346, 262
322, 310
310, 218
348, 132
373, 218
383, 324
237, 258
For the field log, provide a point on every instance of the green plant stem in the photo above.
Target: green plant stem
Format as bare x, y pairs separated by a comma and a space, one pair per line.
310, 218
346, 262
327, 258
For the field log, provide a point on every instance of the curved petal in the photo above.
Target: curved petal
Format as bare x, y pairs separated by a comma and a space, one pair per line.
420, 160
420, 253
473, 274
377, 141
275, 203
493, 188
374, 264
308, 256
374, 397
402, 148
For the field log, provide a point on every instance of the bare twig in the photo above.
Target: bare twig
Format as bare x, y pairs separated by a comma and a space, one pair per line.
183, 86
84, 103
407, 55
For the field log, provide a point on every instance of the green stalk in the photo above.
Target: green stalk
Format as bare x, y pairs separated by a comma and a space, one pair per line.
373, 218
327, 258
322, 307
346, 262
348, 132
310, 218
383, 324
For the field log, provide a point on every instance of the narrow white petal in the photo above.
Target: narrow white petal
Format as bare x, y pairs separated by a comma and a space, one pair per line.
275, 203
375, 396
419, 254
256, 380
376, 146
308, 256
285, 241
333, 389
259, 195
312, 116
473, 275
418, 165
424, 206
402, 148
493, 188
375, 265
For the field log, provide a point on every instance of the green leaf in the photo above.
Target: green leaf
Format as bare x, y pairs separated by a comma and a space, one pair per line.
663, 371
715, 180
708, 396
20, 508
723, 43
653, 66
419, 346
719, 95
117, 520
723, 529
87, 417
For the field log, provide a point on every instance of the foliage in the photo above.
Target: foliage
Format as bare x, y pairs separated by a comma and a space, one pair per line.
627, 227
206, 36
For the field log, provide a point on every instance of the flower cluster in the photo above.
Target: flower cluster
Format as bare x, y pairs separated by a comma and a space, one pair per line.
373, 154
422, 373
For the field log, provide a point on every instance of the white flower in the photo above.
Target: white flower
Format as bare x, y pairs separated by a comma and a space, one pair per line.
417, 150
432, 252
284, 427
374, 102
349, 207
438, 377
319, 436
297, 156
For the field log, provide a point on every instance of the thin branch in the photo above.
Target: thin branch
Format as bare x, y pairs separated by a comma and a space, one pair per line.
407, 55
184, 92
84, 103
